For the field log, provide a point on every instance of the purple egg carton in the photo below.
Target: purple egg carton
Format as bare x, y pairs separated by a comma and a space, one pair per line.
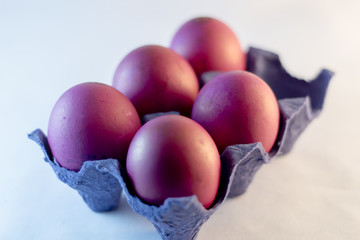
101, 182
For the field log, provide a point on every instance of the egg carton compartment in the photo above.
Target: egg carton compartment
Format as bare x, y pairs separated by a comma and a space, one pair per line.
101, 182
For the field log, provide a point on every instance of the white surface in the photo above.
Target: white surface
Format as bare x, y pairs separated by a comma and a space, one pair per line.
48, 46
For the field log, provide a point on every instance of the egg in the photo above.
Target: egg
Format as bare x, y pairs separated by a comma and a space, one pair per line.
173, 156
156, 79
91, 121
209, 45
238, 107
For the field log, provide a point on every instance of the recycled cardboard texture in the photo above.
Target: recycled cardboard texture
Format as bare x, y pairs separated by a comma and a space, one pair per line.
267, 66
100, 182
148, 117
99, 189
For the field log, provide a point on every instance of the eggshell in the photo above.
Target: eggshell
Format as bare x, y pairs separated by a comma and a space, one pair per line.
156, 79
238, 108
209, 45
173, 156
91, 121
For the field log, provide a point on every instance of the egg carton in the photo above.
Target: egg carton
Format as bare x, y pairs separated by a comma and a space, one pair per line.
101, 182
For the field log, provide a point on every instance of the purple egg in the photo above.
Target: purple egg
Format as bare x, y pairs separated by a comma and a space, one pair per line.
238, 107
173, 156
91, 121
157, 79
209, 45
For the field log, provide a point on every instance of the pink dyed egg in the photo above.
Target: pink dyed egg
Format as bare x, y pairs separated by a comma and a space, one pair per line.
209, 45
91, 121
156, 79
238, 108
173, 156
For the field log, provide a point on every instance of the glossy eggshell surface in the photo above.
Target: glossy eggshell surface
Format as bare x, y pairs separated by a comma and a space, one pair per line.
173, 156
156, 79
91, 121
238, 108
209, 45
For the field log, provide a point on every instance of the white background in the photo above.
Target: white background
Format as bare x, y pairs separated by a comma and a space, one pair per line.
47, 47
